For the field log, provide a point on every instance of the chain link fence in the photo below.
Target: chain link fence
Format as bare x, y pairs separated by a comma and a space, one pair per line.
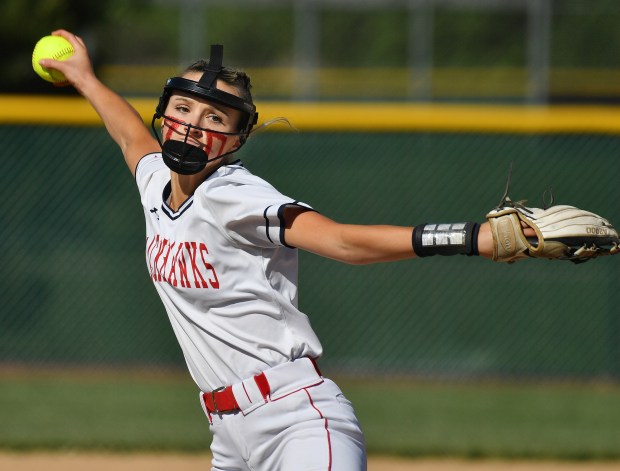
75, 290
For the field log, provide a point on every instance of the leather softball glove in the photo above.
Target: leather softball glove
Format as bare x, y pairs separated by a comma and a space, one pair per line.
561, 233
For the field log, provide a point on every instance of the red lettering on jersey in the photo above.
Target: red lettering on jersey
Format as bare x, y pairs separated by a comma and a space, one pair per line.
172, 276
156, 266
191, 247
149, 250
183, 267
164, 260
155, 252
214, 282
167, 262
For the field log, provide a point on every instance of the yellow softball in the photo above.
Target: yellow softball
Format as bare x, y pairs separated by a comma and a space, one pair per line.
51, 47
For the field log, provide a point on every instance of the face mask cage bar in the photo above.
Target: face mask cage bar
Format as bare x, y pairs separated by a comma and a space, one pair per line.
190, 126
186, 158
248, 110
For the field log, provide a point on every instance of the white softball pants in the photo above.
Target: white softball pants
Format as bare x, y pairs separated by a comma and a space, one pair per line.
314, 428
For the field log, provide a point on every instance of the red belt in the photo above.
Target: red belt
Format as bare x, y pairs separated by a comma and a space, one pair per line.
223, 399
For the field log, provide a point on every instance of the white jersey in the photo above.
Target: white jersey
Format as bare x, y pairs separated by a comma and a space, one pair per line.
226, 277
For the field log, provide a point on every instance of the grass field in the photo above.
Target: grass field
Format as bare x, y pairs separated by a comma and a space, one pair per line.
103, 411
200, 462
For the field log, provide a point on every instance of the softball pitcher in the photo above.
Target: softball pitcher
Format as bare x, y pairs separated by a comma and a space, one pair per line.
221, 249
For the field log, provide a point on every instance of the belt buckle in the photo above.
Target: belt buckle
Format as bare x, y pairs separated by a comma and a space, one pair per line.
217, 411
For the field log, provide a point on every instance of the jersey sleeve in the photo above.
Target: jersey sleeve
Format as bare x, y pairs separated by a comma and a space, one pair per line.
146, 168
252, 212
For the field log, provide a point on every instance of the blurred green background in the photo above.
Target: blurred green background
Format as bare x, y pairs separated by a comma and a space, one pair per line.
520, 50
443, 356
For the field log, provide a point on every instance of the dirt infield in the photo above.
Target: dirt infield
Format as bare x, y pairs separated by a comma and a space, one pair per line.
161, 462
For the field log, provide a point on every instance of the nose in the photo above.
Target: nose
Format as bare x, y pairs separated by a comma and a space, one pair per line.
193, 131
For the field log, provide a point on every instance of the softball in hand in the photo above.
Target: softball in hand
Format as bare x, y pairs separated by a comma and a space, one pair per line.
51, 47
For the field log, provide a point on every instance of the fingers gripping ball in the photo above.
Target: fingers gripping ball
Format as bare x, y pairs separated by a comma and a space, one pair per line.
51, 47
561, 232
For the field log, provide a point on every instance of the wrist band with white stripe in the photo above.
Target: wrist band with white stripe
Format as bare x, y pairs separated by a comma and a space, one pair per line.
446, 239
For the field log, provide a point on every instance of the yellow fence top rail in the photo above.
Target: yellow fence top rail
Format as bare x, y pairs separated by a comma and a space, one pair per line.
349, 116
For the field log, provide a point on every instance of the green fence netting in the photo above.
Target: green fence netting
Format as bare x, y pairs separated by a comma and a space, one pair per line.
75, 290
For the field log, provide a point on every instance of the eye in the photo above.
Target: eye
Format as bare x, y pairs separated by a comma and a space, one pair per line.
214, 118
182, 108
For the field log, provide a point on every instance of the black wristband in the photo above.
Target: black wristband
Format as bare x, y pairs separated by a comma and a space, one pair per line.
446, 239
